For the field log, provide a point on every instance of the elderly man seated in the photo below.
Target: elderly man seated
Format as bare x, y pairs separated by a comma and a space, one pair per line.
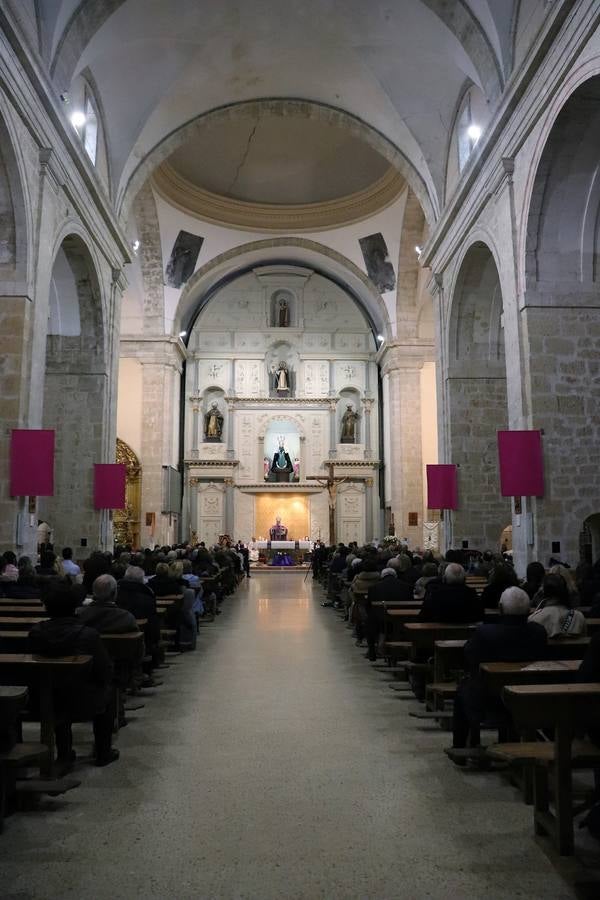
450, 600
102, 612
511, 639
138, 599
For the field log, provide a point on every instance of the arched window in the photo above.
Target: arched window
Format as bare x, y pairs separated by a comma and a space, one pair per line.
90, 129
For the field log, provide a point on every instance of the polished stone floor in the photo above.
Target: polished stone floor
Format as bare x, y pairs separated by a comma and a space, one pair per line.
274, 763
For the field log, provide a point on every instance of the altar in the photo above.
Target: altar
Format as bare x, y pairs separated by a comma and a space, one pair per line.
284, 553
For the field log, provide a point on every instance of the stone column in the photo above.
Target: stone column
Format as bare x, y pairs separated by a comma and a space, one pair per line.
367, 440
369, 510
195, 429
401, 365
230, 429
332, 429
229, 488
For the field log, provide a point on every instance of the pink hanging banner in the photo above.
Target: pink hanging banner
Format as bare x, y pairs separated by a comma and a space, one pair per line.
521, 463
32, 462
109, 485
442, 487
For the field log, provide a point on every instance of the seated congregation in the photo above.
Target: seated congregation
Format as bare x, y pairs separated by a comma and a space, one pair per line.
482, 650
83, 643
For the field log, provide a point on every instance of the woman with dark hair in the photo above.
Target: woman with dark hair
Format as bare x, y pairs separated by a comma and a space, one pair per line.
533, 581
555, 611
502, 576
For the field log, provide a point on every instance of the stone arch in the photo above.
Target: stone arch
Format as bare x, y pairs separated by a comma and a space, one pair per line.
208, 279
15, 306
297, 106
76, 392
477, 397
561, 315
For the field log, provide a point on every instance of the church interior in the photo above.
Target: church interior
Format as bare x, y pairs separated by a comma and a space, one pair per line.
299, 475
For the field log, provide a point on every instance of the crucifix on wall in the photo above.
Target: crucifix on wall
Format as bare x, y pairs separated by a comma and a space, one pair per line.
332, 482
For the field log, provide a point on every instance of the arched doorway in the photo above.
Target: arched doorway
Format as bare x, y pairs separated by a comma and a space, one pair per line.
76, 389
127, 521
561, 322
476, 399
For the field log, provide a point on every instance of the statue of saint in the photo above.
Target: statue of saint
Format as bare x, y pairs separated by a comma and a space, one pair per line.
349, 420
266, 467
296, 469
213, 423
282, 384
281, 466
284, 313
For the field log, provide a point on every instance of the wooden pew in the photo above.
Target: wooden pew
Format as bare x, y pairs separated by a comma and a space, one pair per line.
566, 709
19, 622
13, 754
26, 668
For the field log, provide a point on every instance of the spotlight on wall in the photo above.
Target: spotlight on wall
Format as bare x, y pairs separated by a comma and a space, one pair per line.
136, 246
78, 119
418, 250
380, 338
474, 132
182, 334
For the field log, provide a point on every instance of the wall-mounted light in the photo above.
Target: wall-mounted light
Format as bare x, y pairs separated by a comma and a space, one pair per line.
78, 119
474, 132
136, 246
182, 334
380, 338
418, 250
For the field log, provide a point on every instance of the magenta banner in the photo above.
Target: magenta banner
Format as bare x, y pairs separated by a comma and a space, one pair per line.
109, 485
32, 462
442, 487
521, 463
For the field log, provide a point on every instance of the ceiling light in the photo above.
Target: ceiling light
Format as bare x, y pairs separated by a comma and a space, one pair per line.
474, 132
380, 337
78, 119
182, 334
418, 250
136, 246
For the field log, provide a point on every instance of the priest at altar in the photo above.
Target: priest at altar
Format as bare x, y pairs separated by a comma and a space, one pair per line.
278, 532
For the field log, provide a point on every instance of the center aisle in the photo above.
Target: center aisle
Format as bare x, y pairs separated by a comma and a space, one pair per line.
274, 763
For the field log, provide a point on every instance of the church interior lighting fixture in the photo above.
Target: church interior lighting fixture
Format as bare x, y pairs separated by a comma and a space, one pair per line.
474, 132
182, 334
78, 119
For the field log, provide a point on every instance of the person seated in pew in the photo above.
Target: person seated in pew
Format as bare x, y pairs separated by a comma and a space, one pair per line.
428, 573
102, 612
90, 696
450, 600
136, 597
26, 587
386, 590
555, 610
357, 596
511, 639
501, 577
9, 571
533, 581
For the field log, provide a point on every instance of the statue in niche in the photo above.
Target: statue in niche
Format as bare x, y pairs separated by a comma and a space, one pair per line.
213, 423
281, 467
296, 469
266, 467
282, 382
349, 420
283, 317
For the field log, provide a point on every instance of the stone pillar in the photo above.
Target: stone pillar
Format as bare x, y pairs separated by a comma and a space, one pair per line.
229, 488
230, 429
401, 366
332, 429
369, 511
367, 439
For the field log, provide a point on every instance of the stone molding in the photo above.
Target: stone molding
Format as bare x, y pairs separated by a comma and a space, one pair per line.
217, 463
247, 216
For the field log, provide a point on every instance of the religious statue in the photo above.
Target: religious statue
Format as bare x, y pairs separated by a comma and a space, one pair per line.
213, 423
349, 420
284, 314
278, 532
266, 467
296, 469
282, 384
281, 466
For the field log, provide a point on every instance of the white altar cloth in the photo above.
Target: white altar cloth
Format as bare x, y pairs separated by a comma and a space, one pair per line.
284, 545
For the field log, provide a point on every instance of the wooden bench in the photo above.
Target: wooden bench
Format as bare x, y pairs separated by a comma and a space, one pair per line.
567, 709
26, 668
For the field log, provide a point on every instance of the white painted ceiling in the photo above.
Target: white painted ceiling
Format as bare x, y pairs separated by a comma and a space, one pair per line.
398, 65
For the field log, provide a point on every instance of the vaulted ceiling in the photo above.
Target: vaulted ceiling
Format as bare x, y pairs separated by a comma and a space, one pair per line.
399, 67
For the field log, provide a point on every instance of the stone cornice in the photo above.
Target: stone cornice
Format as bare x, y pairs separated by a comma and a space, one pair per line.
214, 463
352, 463
153, 350
405, 355
191, 198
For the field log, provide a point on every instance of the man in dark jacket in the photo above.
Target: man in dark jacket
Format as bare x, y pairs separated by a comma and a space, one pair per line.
102, 613
451, 600
386, 590
138, 599
88, 694
512, 639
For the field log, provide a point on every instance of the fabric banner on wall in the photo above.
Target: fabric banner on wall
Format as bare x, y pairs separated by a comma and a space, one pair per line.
442, 487
521, 463
109, 485
32, 462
